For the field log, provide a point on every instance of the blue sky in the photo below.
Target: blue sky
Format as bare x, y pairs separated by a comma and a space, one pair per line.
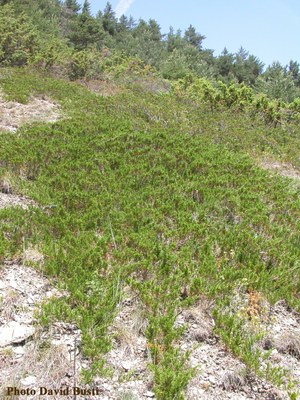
269, 29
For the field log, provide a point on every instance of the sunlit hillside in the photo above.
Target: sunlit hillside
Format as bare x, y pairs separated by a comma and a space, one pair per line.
149, 212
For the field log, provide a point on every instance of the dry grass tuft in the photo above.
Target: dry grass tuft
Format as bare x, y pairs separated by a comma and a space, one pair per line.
102, 87
126, 334
125, 338
200, 316
6, 184
202, 334
50, 364
139, 320
127, 396
289, 344
8, 305
32, 256
233, 380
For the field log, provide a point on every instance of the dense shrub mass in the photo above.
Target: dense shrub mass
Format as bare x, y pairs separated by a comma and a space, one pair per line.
156, 189
19, 38
239, 98
156, 192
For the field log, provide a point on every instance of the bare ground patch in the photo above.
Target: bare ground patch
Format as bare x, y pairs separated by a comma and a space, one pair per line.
32, 356
219, 375
279, 347
281, 168
39, 109
283, 339
12, 200
129, 356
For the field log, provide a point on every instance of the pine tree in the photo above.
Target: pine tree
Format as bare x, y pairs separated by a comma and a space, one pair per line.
193, 38
247, 67
277, 83
73, 6
19, 39
109, 20
123, 24
174, 40
85, 30
86, 8
225, 65
154, 30
294, 71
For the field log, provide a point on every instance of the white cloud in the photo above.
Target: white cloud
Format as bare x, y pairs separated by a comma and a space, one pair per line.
122, 7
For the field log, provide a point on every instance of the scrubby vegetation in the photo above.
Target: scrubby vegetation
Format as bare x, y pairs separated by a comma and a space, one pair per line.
158, 192
156, 188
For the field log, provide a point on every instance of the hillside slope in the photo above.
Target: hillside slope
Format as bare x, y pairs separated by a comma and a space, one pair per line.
154, 205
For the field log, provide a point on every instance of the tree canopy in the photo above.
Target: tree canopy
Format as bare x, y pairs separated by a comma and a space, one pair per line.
29, 30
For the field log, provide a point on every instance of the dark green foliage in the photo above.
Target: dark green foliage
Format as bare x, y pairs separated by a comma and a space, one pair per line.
279, 82
158, 193
225, 64
154, 30
174, 40
239, 67
84, 31
144, 41
73, 6
45, 15
109, 20
18, 37
173, 55
293, 69
247, 67
86, 8
193, 38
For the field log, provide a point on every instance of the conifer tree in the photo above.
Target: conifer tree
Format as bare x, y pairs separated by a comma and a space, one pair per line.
72, 5
277, 83
174, 40
123, 24
86, 8
193, 38
247, 67
294, 71
18, 37
109, 20
85, 30
154, 30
